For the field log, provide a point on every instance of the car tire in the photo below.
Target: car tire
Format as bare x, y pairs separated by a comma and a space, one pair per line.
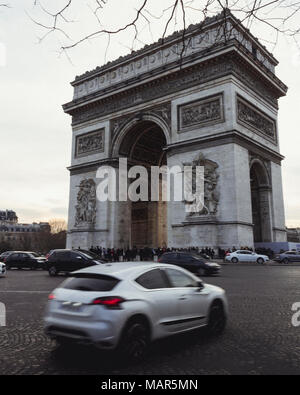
216, 319
285, 261
135, 340
7, 267
260, 261
52, 271
234, 260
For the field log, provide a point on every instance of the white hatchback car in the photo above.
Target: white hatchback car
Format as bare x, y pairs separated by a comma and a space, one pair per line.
2, 269
126, 305
246, 256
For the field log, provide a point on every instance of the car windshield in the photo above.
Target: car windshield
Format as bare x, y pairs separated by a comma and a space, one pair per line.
34, 254
199, 258
88, 254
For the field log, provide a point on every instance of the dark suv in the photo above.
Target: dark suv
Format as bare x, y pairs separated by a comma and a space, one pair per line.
192, 262
25, 259
70, 260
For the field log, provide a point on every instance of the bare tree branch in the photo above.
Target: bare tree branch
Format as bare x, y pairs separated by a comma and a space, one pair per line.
279, 16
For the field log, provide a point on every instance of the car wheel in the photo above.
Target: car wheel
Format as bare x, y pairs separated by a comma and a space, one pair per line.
135, 340
7, 267
52, 271
234, 260
216, 320
285, 261
260, 261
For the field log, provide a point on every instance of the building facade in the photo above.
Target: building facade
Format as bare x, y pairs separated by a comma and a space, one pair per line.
210, 100
17, 236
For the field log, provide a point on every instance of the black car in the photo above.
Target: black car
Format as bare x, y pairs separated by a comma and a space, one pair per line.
25, 259
67, 261
4, 255
192, 262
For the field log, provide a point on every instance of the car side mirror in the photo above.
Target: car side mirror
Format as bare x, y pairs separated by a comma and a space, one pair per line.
200, 285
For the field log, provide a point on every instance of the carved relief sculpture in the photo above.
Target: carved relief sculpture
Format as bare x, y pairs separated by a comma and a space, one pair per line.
90, 143
86, 203
211, 195
202, 112
256, 119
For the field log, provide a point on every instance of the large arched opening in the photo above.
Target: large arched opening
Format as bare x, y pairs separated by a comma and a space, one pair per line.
261, 200
143, 145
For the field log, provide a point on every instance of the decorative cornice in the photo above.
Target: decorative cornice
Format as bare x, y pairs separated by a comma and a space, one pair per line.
211, 222
227, 137
204, 35
227, 64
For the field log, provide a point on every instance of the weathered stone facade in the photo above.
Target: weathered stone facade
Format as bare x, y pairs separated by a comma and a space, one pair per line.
214, 104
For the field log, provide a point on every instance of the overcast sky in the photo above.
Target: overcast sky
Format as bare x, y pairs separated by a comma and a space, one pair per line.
36, 134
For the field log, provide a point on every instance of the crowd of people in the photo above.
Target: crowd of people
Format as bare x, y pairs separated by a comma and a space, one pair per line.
144, 254
147, 253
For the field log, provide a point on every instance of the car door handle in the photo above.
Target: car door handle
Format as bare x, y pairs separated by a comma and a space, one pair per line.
182, 297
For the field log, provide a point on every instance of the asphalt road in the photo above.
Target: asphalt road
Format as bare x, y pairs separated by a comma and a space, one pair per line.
259, 339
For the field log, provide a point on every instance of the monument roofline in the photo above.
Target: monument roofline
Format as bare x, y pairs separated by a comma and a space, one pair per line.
232, 51
176, 37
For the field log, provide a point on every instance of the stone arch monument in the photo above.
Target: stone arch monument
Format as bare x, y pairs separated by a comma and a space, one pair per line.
213, 103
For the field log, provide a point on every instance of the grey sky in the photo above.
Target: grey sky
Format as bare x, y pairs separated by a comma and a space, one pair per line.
36, 134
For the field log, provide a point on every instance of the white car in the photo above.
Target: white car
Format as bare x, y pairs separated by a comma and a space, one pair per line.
246, 256
126, 305
2, 269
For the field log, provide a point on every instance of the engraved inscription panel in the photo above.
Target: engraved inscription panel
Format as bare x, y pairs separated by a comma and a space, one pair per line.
202, 112
90, 143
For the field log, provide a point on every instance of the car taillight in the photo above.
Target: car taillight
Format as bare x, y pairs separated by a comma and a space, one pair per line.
228, 253
159, 260
51, 297
4, 259
111, 302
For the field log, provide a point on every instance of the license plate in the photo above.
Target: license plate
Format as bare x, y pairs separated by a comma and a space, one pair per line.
74, 307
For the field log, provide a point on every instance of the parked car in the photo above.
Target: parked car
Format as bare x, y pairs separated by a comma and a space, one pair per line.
25, 259
4, 255
288, 256
192, 262
67, 261
2, 269
124, 306
245, 256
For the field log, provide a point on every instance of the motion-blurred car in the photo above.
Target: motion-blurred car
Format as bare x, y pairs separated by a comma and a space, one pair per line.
2, 269
25, 259
245, 256
67, 261
4, 255
126, 305
288, 256
191, 262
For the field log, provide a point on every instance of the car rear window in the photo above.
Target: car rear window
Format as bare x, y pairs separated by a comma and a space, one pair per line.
90, 283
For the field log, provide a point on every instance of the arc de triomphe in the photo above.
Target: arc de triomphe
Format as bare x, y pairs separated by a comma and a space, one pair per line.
210, 99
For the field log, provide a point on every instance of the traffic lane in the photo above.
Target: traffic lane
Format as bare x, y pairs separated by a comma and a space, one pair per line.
259, 337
